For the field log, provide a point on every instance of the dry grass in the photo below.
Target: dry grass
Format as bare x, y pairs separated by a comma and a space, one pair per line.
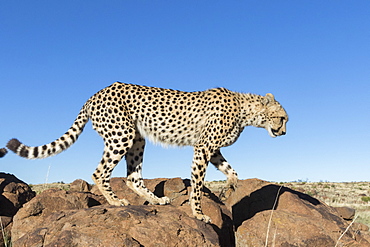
352, 194
38, 188
269, 224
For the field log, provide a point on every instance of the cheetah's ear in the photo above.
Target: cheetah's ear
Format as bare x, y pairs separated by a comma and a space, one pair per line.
269, 97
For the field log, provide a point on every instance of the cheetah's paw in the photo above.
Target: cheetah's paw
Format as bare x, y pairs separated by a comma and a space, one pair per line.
164, 200
203, 217
124, 202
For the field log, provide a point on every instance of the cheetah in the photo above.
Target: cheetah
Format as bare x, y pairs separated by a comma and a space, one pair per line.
124, 114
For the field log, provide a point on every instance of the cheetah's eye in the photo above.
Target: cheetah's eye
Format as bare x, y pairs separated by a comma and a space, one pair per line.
278, 120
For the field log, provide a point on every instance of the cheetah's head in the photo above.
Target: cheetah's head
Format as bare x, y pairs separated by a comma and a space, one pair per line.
273, 116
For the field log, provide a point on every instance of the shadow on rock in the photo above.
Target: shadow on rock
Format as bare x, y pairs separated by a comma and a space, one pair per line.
264, 199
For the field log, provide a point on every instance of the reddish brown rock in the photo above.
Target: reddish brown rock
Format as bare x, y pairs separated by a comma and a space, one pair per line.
120, 226
346, 213
80, 185
13, 194
61, 218
298, 219
178, 191
360, 227
123, 191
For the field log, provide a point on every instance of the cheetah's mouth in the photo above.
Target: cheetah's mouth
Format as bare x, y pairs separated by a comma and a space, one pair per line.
271, 132
275, 133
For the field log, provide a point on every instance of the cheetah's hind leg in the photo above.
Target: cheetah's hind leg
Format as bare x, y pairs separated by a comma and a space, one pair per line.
134, 160
113, 153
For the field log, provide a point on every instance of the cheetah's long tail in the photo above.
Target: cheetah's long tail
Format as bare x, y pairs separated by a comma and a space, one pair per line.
55, 147
3, 151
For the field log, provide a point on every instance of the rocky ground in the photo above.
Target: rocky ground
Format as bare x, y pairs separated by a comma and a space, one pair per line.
258, 213
355, 195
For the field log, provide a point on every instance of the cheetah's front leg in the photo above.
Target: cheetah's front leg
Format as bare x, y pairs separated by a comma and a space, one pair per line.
198, 172
232, 177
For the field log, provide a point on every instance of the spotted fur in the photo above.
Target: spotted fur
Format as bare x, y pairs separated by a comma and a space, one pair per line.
3, 151
125, 114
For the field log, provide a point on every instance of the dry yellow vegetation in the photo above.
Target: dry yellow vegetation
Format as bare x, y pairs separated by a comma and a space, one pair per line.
38, 188
347, 194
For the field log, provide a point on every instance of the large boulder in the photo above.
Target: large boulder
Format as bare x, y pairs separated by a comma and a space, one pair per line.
61, 218
80, 186
13, 194
178, 191
111, 226
266, 213
258, 213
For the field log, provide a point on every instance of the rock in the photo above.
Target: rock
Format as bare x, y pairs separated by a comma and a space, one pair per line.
360, 227
112, 226
80, 185
123, 191
71, 218
346, 212
52, 200
60, 218
5, 221
362, 230
178, 191
176, 187
298, 219
13, 194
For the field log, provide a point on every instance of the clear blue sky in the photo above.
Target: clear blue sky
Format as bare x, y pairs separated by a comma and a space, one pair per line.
314, 56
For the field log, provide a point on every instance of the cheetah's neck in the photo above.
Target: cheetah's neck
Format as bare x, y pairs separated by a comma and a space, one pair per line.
250, 107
